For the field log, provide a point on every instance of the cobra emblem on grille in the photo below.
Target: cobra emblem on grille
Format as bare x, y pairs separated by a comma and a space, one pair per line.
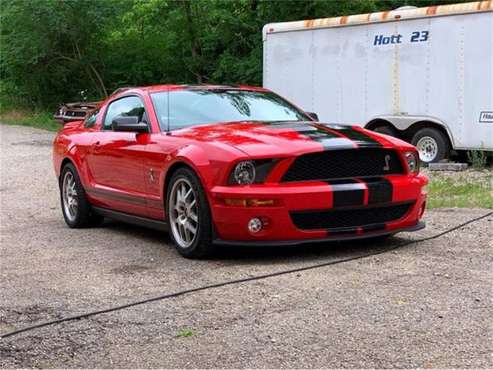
387, 163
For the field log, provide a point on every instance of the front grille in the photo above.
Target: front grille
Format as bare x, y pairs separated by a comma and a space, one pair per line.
349, 218
347, 163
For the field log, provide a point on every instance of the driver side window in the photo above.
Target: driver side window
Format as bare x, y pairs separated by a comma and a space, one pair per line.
128, 106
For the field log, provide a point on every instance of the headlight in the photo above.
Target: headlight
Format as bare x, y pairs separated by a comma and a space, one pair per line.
251, 171
244, 173
412, 161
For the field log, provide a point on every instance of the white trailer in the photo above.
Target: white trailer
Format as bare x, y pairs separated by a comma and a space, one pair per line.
422, 74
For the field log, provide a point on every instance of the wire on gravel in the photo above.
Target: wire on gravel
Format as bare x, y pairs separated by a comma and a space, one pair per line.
237, 281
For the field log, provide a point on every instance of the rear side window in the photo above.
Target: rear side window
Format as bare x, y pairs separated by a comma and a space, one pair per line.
91, 120
128, 106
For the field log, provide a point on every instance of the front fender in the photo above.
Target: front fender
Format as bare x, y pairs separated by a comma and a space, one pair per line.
196, 158
210, 163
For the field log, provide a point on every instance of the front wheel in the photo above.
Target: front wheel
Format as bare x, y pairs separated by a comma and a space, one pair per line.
189, 215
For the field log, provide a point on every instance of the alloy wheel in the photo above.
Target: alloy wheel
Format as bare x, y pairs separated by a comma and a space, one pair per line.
69, 196
183, 213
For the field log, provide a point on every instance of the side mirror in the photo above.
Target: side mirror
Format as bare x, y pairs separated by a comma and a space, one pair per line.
128, 124
312, 115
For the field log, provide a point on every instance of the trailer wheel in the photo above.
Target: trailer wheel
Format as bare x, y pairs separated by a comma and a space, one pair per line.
386, 130
432, 145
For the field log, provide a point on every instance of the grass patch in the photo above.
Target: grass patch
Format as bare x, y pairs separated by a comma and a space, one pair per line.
185, 333
472, 189
43, 120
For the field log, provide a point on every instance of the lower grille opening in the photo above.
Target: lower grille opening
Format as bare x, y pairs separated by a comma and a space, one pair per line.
350, 217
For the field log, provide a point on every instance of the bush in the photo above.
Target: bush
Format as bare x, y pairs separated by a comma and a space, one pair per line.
477, 158
34, 118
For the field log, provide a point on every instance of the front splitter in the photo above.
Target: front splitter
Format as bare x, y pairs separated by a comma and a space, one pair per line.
268, 243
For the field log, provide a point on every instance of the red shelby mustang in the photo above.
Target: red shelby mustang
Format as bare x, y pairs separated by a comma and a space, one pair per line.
233, 165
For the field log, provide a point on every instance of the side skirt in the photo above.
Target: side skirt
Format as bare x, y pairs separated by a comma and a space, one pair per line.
132, 219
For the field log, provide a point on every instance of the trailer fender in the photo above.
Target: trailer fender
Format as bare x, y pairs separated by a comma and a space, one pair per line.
404, 123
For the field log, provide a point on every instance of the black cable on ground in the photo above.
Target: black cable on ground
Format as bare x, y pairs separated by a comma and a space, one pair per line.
237, 281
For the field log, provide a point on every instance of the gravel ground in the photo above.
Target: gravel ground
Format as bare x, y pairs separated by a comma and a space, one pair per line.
470, 175
423, 305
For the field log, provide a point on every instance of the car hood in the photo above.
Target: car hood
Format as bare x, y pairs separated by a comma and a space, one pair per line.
285, 138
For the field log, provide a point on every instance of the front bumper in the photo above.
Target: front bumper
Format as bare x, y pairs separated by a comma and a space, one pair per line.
419, 226
231, 221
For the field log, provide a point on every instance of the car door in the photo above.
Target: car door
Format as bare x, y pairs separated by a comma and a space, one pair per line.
116, 160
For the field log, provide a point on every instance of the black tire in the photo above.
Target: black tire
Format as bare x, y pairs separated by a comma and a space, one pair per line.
202, 245
435, 136
386, 130
84, 216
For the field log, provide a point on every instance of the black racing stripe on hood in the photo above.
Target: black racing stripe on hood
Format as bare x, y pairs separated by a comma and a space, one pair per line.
359, 138
327, 139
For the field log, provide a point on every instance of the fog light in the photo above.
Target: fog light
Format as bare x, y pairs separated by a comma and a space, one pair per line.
255, 225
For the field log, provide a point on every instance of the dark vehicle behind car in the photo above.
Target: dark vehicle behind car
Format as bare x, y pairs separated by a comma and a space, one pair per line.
78, 111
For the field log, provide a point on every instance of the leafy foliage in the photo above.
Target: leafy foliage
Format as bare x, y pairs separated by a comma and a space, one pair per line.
478, 159
52, 50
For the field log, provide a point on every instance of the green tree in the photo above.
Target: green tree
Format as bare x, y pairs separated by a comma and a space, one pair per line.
51, 50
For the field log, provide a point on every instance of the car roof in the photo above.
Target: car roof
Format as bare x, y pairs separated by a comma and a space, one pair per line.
159, 88
123, 91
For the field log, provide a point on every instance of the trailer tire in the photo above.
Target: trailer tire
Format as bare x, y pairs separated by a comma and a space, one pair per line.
433, 146
386, 130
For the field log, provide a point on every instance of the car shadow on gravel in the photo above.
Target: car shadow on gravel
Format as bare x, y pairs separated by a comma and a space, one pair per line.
313, 252
265, 255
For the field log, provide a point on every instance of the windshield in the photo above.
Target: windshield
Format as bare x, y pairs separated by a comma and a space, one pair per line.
184, 108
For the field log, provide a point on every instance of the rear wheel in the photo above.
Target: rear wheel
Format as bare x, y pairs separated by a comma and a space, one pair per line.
189, 215
432, 145
76, 208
